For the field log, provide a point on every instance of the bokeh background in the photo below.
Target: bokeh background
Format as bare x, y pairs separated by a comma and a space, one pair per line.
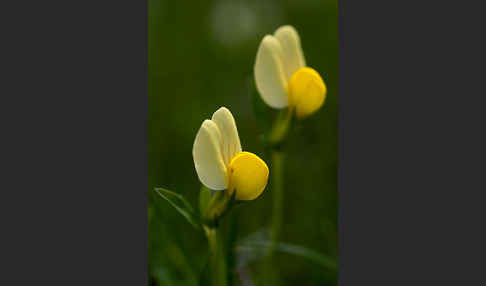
200, 57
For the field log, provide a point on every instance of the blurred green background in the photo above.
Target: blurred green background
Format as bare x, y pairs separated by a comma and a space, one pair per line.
200, 57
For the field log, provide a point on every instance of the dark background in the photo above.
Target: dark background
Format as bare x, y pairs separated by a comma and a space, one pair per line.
74, 143
200, 57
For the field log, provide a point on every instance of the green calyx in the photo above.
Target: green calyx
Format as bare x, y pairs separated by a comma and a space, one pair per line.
280, 128
218, 205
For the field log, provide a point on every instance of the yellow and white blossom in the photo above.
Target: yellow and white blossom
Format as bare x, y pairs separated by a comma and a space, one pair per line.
281, 75
220, 162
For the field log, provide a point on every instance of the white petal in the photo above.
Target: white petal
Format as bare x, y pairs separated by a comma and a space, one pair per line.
229, 134
270, 78
293, 57
208, 158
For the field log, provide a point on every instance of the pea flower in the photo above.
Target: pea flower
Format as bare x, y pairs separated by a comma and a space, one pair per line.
281, 75
221, 164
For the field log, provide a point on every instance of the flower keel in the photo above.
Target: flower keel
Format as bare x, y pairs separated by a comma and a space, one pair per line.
307, 92
248, 176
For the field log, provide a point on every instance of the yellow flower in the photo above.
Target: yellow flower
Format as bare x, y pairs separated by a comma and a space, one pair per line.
281, 76
221, 164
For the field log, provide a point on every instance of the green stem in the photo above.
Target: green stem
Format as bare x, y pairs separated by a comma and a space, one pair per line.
277, 180
230, 252
277, 137
275, 140
216, 260
277, 173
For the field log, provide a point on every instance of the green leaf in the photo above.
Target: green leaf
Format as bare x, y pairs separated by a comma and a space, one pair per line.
181, 205
261, 247
321, 259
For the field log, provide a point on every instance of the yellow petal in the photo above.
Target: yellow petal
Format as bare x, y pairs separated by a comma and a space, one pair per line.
229, 134
270, 77
293, 56
248, 176
208, 158
307, 92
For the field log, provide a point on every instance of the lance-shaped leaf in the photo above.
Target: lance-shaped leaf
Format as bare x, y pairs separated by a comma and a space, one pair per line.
256, 246
181, 205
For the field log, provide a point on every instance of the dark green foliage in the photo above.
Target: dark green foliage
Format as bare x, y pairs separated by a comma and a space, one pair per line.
194, 68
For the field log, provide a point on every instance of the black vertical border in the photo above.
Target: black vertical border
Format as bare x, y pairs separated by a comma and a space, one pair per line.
74, 196
411, 155
411, 143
